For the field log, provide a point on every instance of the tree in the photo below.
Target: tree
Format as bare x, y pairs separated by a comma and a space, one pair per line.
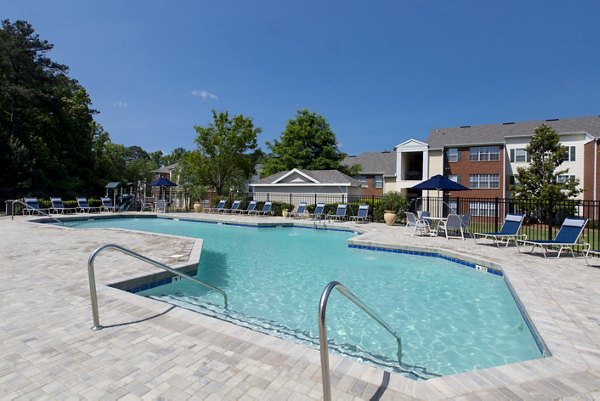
307, 143
540, 180
227, 151
46, 123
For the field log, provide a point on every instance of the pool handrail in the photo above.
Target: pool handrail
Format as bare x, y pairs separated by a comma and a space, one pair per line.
92, 279
324, 348
40, 211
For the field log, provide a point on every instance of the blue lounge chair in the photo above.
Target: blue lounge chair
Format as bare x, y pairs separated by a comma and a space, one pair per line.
417, 224
32, 206
590, 251
265, 210
340, 213
299, 212
508, 232
107, 205
251, 207
362, 215
319, 212
57, 206
567, 237
84, 207
220, 206
234, 207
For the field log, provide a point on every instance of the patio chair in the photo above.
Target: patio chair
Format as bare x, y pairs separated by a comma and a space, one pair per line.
250, 208
160, 206
107, 205
32, 206
466, 219
299, 212
362, 215
417, 224
57, 206
83, 206
340, 213
508, 232
234, 207
566, 238
453, 223
266, 209
217, 208
319, 212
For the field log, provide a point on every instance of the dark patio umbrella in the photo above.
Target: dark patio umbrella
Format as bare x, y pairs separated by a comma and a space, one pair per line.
440, 183
162, 182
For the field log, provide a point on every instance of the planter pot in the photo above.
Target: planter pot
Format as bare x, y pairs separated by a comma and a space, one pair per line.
284, 213
389, 218
197, 207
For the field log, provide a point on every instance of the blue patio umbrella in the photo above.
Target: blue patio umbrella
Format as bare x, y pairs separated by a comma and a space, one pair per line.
440, 183
162, 182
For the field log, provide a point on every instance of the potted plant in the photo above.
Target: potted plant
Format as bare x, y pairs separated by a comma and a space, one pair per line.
284, 213
392, 202
197, 192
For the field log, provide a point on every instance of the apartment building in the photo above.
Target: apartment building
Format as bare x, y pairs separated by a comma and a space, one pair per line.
378, 171
485, 158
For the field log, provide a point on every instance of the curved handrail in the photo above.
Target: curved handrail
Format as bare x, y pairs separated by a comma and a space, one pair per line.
29, 208
324, 348
92, 279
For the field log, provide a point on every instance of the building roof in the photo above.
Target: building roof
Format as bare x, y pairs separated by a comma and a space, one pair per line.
374, 162
315, 176
166, 169
496, 133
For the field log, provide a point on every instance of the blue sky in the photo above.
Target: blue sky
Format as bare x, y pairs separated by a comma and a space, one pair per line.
380, 72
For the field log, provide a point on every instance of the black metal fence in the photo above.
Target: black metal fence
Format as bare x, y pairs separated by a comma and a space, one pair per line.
543, 218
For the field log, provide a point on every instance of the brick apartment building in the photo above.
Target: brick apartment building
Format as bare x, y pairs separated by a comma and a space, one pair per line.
485, 158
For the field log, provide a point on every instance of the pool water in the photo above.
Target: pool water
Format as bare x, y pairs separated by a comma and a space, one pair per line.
451, 318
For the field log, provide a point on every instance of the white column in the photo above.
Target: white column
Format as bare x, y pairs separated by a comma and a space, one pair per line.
426, 164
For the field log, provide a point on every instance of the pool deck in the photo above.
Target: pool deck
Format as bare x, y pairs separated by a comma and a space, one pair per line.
151, 350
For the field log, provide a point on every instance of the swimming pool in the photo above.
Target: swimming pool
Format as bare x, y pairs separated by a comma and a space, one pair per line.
451, 318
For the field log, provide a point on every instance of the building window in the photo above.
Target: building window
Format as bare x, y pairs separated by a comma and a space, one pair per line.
519, 156
454, 177
570, 153
452, 155
378, 181
484, 153
484, 209
484, 181
363, 181
564, 178
452, 206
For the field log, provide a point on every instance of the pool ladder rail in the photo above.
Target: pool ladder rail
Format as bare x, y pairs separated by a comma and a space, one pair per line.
324, 348
39, 211
92, 278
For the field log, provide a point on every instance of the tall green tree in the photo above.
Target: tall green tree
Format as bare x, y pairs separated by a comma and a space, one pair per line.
306, 143
539, 181
46, 119
227, 151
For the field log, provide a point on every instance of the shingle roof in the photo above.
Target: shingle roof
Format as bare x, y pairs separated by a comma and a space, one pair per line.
322, 176
496, 133
374, 162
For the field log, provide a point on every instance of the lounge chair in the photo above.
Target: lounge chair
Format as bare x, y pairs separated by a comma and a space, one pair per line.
84, 207
234, 207
265, 210
362, 215
32, 206
299, 212
57, 206
340, 213
107, 205
319, 212
567, 237
220, 206
251, 207
453, 223
590, 251
508, 232
417, 224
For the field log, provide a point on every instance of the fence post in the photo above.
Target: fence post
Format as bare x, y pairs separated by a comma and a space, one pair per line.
496, 216
268, 196
550, 218
290, 198
315, 198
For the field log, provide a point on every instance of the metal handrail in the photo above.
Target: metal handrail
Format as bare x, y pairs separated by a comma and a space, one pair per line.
324, 348
32, 209
92, 279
